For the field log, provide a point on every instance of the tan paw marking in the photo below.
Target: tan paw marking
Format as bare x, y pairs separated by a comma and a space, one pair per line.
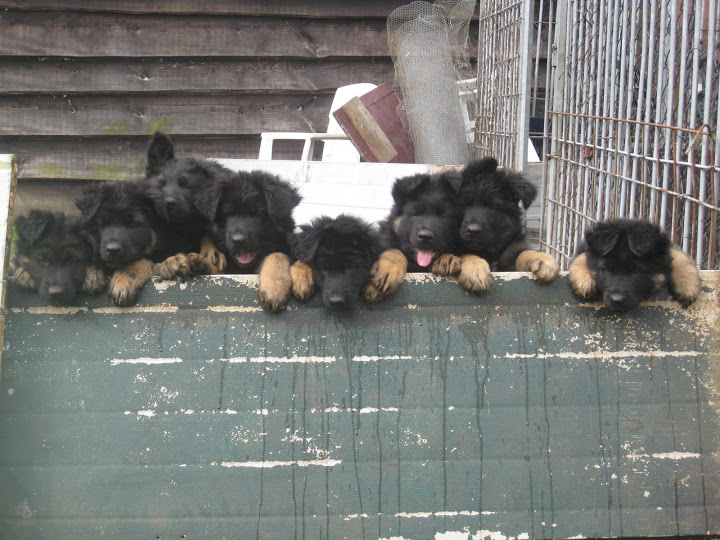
303, 286
274, 282
182, 266
581, 280
685, 282
126, 284
545, 268
386, 275
446, 265
95, 280
23, 278
213, 257
475, 275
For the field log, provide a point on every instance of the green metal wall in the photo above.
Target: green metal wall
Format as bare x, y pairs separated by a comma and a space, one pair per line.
521, 413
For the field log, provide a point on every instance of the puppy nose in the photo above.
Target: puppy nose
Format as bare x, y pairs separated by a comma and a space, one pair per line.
113, 248
425, 235
617, 300
336, 300
170, 201
237, 238
473, 228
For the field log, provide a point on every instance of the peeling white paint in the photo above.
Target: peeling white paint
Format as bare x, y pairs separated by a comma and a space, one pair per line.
366, 410
138, 309
234, 309
148, 361
604, 355
148, 414
378, 358
271, 464
441, 513
50, 310
263, 412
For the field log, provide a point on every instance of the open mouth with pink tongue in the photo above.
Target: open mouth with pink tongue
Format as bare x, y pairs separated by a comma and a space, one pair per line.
244, 257
425, 257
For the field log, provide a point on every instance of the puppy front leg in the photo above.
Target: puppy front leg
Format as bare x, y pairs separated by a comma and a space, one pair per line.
581, 280
126, 284
182, 266
386, 275
95, 280
446, 264
213, 257
21, 276
545, 268
475, 275
685, 281
303, 286
274, 281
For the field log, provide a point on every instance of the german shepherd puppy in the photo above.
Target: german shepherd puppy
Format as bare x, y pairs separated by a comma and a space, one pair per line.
626, 260
335, 255
420, 232
174, 186
492, 233
250, 216
55, 255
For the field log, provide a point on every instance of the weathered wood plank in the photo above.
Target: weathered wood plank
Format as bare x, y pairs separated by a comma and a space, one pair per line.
519, 413
143, 115
8, 182
89, 76
94, 34
317, 8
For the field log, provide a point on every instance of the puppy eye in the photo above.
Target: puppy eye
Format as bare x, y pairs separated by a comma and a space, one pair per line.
182, 181
44, 260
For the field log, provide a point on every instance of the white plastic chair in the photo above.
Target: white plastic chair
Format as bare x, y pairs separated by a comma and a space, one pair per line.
337, 148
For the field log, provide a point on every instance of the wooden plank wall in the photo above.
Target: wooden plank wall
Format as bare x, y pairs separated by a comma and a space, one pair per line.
84, 84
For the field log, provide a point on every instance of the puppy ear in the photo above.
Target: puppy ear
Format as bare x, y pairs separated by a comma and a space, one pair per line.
405, 187
642, 240
160, 151
453, 180
306, 243
89, 202
601, 241
477, 168
208, 200
31, 228
281, 198
522, 189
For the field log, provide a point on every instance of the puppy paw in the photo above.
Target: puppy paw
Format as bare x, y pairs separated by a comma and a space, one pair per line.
446, 265
475, 275
23, 278
95, 280
685, 281
274, 282
386, 275
181, 266
581, 280
303, 286
214, 258
545, 268
126, 284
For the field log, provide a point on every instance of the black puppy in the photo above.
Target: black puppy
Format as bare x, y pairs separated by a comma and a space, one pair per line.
492, 234
421, 231
54, 253
174, 186
334, 254
250, 216
130, 234
626, 260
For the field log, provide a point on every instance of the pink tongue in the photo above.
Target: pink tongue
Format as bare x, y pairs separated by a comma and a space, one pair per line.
424, 257
244, 257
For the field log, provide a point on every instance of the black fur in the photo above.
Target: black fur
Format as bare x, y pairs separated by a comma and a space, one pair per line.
423, 220
250, 216
175, 184
56, 250
340, 251
492, 225
126, 224
625, 257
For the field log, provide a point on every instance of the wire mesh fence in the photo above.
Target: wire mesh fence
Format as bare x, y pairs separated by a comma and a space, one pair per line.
632, 125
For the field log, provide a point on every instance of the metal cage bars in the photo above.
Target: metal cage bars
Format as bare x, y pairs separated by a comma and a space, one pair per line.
632, 127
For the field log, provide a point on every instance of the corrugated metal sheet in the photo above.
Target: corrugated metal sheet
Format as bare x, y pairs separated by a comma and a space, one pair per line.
521, 413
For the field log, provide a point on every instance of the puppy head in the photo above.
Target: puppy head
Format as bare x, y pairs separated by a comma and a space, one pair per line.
340, 252
250, 215
628, 259
173, 184
56, 250
424, 215
123, 219
491, 200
